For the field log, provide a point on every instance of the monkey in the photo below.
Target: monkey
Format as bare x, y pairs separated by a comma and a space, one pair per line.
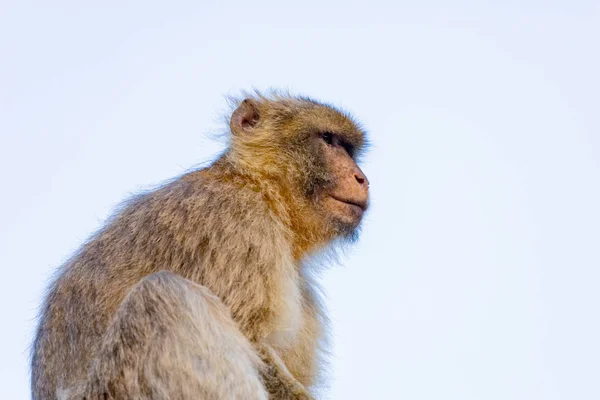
199, 289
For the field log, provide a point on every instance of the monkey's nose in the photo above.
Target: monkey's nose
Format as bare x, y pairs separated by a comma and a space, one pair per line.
361, 178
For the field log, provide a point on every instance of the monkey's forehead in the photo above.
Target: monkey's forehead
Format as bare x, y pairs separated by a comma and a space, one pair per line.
318, 111
329, 119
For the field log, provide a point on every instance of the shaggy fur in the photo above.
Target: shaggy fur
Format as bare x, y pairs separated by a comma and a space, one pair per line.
232, 315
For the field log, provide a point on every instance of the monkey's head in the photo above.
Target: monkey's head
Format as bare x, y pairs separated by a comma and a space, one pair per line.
306, 151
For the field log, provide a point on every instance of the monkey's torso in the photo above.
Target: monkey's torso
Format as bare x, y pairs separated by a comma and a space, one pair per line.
217, 232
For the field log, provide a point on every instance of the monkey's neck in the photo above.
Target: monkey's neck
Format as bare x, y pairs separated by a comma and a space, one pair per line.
303, 229
306, 232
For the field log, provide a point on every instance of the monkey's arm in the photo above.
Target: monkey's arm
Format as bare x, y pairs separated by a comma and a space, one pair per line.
173, 339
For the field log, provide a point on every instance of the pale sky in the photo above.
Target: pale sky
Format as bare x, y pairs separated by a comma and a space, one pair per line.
477, 274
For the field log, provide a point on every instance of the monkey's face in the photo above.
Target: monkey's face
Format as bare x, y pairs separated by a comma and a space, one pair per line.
343, 194
312, 148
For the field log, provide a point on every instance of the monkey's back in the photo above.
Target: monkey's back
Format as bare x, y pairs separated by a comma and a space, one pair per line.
178, 228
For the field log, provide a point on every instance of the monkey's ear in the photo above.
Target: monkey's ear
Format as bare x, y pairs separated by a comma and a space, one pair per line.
245, 117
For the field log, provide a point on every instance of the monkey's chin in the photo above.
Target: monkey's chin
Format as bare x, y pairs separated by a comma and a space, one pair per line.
343, 210
346, 230
349, 221
345, 217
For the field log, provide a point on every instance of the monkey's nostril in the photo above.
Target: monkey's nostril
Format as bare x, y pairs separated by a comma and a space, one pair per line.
361, 179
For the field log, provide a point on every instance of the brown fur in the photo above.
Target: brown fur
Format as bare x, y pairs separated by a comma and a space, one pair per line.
231, 239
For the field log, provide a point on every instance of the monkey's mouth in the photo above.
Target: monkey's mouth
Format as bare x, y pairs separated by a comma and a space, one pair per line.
362, 205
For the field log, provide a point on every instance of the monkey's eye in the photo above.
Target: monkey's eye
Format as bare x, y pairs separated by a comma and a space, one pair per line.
349, 149
327, 137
